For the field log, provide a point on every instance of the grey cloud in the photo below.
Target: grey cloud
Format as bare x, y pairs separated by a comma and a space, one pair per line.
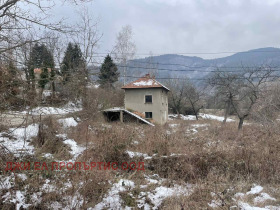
174, 26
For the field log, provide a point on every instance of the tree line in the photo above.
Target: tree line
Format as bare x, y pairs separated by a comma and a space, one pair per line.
250, 92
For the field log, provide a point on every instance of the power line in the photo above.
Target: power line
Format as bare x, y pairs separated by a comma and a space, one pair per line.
195, 53
175, 64
187, 66
187, 70
197, 79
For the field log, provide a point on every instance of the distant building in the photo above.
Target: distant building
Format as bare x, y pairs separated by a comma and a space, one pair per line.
39, 70
148, 98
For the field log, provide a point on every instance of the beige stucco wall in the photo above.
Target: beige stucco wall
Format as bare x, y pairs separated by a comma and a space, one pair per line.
135, 100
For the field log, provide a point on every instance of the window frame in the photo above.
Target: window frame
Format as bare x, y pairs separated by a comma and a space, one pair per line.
146, 100
151, 115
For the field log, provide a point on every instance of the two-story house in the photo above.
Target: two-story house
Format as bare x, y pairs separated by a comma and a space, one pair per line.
148, 97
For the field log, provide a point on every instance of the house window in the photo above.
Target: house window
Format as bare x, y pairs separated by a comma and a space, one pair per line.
148, 115
148, 99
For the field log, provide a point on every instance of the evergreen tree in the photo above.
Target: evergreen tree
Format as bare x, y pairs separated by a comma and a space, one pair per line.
41, 57
72, 62
44, 78
108, 73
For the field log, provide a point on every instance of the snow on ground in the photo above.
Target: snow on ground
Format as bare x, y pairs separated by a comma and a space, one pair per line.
192, 130
215, 203
183, 117
160, 193
260, 198
174, 128
246, 206
68, 122
263, 197
241, 200
255, 190
188, 117
48, 155
6, 182
68, 108
173, 125
17, 198
136, 154
23, 177
195, 127
154, 179
18, 139
201, 115
76, 150
113, 200
132, 154
214, 117
47, 187
22, 137
47, 93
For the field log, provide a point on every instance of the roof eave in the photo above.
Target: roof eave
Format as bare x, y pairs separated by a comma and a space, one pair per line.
124, 88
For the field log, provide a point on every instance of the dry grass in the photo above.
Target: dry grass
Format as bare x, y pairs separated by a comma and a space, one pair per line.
215, 158
47, 140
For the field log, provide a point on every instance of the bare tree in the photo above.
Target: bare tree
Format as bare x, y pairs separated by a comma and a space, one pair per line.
56, 43
194, 97
266, 110
87, 35
17, 19
254, 82
27, 17
242, 91
124, 49
226, 85
176, 95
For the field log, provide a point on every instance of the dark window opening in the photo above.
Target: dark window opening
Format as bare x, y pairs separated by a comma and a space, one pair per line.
148, 99
149, 115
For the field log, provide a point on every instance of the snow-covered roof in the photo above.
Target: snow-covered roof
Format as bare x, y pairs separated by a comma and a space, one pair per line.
145, 82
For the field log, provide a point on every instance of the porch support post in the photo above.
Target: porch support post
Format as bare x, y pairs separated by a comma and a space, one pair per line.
121, 116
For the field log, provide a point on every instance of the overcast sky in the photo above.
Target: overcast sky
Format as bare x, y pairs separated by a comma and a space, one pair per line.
183, 26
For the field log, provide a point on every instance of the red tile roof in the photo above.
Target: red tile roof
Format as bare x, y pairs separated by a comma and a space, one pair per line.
145, 82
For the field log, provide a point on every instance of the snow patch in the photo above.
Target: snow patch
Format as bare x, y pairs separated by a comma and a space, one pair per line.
136, 154
188, 117
255, 190
145, 83
76, 150
22, 137
23, 177
68, 108
215, 203
160, 193
48, 187
263, 197
6, 182
47, 93
246, 206
18, 198
48, 155
112, 200
214, 117
68, 122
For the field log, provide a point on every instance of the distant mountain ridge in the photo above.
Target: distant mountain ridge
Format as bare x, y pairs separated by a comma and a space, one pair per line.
193, 67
